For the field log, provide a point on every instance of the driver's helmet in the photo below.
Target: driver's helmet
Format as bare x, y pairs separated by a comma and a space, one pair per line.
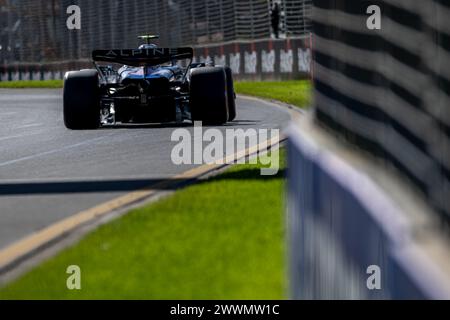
148, 46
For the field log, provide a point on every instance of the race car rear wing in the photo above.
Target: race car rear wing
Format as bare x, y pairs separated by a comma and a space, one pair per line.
142, 57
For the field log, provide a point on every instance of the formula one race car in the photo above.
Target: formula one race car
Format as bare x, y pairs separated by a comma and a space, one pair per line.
148, 85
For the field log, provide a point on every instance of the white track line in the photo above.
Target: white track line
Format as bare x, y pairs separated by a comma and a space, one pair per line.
37, 155
8, 114
17, 136
30, 125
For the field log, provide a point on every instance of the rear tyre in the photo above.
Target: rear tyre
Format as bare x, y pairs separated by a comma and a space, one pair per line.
208, 95
230, 95
81, 100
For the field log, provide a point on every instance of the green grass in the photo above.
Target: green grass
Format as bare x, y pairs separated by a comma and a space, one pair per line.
294, 92
220, 239
31, 84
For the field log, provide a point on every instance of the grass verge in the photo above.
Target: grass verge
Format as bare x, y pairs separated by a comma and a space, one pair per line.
49, 84
294, 92
219, 239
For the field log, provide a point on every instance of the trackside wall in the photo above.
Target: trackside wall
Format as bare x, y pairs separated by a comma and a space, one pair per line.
267, 59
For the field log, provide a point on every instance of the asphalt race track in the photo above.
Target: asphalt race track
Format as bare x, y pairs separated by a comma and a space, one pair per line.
48, 173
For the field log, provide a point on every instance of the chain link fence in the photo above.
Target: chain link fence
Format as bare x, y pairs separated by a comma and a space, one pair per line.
35, 30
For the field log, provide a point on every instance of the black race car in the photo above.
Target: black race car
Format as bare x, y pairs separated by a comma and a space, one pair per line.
148, 85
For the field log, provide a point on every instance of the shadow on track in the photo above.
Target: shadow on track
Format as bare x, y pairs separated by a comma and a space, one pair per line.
41, 188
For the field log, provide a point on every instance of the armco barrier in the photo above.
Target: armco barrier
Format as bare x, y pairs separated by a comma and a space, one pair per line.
340, 224
267, 59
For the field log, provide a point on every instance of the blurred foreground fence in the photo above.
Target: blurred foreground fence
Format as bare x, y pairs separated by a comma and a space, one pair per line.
387, 92
33, 33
